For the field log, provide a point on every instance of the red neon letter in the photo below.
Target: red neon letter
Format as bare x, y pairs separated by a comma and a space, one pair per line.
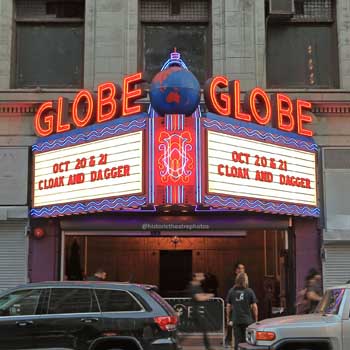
217, 102
259, 95
301, 117
107, 96
62, 115
130, 94
81, 122
235, 92
48, 119
283, 107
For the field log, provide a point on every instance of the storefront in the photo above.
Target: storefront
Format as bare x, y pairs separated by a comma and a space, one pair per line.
152, 197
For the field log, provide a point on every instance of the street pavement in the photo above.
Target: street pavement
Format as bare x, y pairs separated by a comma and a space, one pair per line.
203, 348
196, 343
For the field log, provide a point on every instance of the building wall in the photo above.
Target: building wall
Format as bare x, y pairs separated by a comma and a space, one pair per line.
44, 253
343, 28
111, 32
307, 249
6, 29
239, 41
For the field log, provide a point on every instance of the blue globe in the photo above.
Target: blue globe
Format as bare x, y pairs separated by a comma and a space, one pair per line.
175, 90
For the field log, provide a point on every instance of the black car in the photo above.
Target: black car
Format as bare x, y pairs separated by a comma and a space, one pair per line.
86, 315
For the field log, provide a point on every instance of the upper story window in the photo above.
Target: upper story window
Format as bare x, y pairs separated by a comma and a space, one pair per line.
336, 179
49, 43
302, 48
184, 24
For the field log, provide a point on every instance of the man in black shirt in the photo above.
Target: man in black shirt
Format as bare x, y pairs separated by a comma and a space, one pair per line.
242, 301
239, 268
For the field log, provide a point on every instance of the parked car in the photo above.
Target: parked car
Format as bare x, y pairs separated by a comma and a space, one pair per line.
326, 329
86, 316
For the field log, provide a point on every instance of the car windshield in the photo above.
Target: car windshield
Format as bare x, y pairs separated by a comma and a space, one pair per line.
331, 301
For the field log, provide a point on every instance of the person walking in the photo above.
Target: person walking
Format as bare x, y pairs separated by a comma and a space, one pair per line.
99, 275
243, 304
198, 297
239, 268
313, 293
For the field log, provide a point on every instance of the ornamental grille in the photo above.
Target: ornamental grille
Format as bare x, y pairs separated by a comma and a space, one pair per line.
174, 11
49, 9
27, 8
314, 11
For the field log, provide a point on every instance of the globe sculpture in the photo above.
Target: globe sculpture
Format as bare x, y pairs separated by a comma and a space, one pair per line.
175, 90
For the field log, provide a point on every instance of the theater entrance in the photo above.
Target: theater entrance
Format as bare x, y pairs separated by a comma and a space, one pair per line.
175, 271
168, 262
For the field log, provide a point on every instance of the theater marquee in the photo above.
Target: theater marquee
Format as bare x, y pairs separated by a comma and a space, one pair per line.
259, 169
104, 173
100, 152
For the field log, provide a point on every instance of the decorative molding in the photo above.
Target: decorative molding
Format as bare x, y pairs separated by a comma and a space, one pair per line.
244, 204
331, 107
18, 108
77, 136
131, 203
258, 132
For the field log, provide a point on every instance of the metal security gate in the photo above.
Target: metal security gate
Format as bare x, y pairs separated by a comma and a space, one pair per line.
336, 266
13, 253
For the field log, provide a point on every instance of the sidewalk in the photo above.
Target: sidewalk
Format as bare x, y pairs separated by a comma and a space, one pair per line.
196, 343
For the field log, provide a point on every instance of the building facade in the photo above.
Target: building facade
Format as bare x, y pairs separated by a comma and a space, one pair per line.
50, 49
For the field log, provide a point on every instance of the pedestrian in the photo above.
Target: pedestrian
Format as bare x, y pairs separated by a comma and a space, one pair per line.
198, 297
239, 268
313, 286
99, 275
243, 304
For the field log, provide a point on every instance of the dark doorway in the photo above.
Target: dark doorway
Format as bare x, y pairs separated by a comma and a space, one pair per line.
175, 272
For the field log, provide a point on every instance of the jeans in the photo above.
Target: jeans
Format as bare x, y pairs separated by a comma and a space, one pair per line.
239, 331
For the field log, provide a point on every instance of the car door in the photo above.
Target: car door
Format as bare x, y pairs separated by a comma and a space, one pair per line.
72, 321
19, 318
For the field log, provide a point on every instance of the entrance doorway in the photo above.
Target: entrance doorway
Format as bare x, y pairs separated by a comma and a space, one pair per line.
175, 271
155, 260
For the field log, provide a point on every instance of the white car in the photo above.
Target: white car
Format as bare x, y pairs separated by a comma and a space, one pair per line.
326, 329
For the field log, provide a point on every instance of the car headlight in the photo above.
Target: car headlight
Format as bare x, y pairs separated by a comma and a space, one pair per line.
265, 336
250, 336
